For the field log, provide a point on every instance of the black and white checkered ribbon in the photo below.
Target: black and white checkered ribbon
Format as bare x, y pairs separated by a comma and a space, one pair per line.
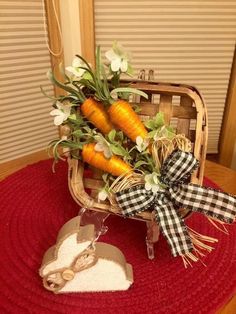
175, 173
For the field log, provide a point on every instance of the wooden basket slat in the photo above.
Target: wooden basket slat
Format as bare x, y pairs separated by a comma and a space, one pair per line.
180, 112
148, 109
90, 183
190, 107
166, 107
183, 125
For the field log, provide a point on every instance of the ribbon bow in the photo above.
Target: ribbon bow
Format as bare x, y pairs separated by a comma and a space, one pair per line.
56, 280
175, 173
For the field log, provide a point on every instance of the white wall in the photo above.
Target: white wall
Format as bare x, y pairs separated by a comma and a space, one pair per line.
70, 29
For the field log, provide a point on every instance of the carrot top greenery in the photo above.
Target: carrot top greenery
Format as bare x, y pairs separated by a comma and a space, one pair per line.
103, 127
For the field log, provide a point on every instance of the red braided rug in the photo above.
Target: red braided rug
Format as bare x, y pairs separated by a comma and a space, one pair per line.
35, 203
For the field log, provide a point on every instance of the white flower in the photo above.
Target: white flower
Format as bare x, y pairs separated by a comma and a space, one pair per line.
102, 195
102, 146
152, 182
76, 67
61, 113
118, 58
141, 144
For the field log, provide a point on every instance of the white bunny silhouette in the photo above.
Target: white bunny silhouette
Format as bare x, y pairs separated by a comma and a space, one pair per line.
77, 264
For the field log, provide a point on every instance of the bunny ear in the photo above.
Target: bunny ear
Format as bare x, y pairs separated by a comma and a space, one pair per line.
69, 227
85, 233
72, 240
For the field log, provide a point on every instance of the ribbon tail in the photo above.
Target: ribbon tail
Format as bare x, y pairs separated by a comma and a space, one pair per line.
184, 241
220, 225
173, 228
208, 201
200, 244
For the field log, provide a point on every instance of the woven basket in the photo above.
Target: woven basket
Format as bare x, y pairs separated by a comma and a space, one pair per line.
182, 106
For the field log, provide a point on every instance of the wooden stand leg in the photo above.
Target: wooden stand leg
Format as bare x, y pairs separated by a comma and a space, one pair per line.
151, 238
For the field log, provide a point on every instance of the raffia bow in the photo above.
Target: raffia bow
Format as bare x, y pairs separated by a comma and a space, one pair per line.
56, 280
175, 173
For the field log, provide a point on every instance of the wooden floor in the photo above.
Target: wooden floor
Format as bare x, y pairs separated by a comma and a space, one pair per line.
12, 166
230, 308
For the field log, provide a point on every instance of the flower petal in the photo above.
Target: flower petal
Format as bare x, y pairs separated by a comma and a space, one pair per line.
65, 117
76, 62
102, 195
124, 65
115, 64
99, 147
70, 69
148, 186
155, 178
155, 188
80, 72
56, 112
59, 105
58, 120
111, 55
107, 152
76, 71
148, 178
139, 140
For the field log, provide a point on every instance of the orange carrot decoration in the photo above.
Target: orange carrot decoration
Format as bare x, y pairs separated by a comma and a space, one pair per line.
107, 111
95, 112
120, 113
114, 165
126, 119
